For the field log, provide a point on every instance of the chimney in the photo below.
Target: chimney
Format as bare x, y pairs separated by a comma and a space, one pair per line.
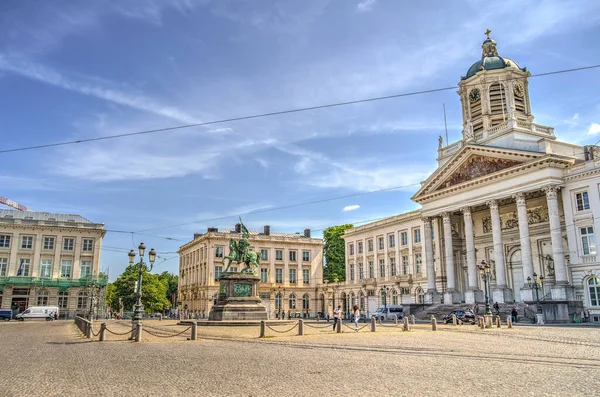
238, 227
267, 231
588, 152
212, 229
307, 233
196, 235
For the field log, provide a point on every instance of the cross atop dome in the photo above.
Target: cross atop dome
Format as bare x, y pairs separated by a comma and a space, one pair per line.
487, 32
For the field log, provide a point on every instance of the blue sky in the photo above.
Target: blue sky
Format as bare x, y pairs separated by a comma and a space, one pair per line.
72, 70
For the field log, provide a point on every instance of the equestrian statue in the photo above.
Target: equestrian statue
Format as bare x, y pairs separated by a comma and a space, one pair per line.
239, 252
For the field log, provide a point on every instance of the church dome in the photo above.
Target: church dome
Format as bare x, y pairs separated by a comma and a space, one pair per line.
490, 60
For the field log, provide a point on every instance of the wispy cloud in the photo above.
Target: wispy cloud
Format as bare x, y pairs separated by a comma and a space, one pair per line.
594, 129
351, 208
366, 5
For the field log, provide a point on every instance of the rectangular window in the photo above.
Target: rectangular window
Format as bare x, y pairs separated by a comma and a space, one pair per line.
352, 272
26, 242
588, 241
63, 300
279, 275
88, 245
86, 269
361, 272
351, 249
380, 243
382, 268
418, 262
404, 264
48, 243
360, 247
393, 266
218, 252
3, 266
370, 245
305, 256
82, 301
65, 268
233, 269
264, 255
4, 241
218, 272
404, 238
279, 255
46, 269
417, 237
68, 244
293, 256
392, 241
306, 276
582, 200
24, 265
42, 300
293, 276
371, 270
264, 275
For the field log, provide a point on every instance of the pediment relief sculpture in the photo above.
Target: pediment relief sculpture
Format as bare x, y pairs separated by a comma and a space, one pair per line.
417, 248
404, 251
510, 220
477, 166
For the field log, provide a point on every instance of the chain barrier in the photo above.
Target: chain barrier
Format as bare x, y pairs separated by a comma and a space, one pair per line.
321, 327
95, 334
353, 329
115, 333
389, 325
166, 336
281, 332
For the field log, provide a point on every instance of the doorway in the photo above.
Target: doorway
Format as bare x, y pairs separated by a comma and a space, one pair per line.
516, 267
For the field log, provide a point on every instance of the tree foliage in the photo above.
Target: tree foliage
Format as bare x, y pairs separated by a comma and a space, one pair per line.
171, 281
154, 290
334, 268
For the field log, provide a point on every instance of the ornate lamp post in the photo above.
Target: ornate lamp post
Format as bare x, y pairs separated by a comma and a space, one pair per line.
537, 284
280, 300
384, 291
139, 308
484, 269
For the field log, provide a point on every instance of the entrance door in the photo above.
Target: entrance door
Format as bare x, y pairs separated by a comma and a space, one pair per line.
517, 278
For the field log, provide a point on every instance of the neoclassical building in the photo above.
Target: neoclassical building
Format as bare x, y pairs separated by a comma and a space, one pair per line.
291, 267
49, 259
508, 193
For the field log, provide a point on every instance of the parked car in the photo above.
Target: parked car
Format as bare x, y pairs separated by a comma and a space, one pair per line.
465, 316
388, 312
46, 312
6, 314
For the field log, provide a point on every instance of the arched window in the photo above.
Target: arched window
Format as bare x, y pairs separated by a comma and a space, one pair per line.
292, 301
63, 300
594, 290
42, 298
278, 301
305, 302
82, 300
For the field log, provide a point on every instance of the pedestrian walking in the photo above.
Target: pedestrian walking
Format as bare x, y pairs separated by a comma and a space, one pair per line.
337, 316
356, 317
514, 314
497, 308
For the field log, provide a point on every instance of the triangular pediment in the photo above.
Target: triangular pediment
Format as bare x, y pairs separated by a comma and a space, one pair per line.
473, 162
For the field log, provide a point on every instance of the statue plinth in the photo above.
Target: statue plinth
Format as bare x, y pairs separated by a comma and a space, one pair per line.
238, 299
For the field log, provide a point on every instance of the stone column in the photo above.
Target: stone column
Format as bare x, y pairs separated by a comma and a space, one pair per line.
501, 293
474, 294
451, 295
561, 291
432, 295
526, 257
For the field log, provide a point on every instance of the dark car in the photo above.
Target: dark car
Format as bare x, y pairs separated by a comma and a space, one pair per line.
466, 316
6, 314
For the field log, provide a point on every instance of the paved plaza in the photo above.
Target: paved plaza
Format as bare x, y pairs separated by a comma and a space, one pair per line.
53, 359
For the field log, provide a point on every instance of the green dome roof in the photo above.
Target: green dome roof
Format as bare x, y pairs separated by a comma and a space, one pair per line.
490, 60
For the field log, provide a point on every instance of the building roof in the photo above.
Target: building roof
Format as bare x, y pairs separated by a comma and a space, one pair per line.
490, 60
42, 216
255, 233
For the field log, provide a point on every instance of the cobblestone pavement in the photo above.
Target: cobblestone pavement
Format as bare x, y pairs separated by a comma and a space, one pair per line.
53, 359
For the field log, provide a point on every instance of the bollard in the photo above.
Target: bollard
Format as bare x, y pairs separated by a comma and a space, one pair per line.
194, 331
338, 327
433, 323
262, 328
160, 318
508, 321
498, 322
412, 319
138, 332
102, 331
373, 322
488, 321
406, 326
395, 319
300, 327
88, 329
454, 322
481, 322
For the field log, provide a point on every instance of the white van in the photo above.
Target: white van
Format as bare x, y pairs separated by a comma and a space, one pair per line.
388, 312
46, 312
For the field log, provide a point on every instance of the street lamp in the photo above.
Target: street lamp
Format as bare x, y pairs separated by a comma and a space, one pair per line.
484, 269
536, 284
384, 291
139, 308
280, 300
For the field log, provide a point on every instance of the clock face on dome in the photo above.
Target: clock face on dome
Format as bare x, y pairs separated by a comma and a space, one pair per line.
474, 95
519, 89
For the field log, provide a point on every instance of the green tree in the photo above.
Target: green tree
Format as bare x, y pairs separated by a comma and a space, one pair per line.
110, 296
171, 281
334, 268
154, 291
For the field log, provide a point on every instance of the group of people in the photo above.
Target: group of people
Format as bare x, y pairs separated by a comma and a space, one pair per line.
337, 316
513, 314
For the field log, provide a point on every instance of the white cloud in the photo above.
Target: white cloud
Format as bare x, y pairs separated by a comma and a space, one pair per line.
594, 129
351, 208
366, 5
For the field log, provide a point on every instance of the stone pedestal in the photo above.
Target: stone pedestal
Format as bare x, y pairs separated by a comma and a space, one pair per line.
452, 296
540, 319
474, 296
502, 295
527, 294
562, 292
238, 299
433, 297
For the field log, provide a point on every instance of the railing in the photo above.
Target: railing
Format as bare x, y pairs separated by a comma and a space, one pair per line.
85, 326
54, 282
448, 150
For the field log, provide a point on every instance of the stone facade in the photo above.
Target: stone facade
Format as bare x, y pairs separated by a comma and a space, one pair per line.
49, 259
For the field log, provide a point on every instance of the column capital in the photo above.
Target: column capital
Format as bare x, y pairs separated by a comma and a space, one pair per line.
493, 204
426, 220
446, 217
520, 199
551, 191
466, 211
